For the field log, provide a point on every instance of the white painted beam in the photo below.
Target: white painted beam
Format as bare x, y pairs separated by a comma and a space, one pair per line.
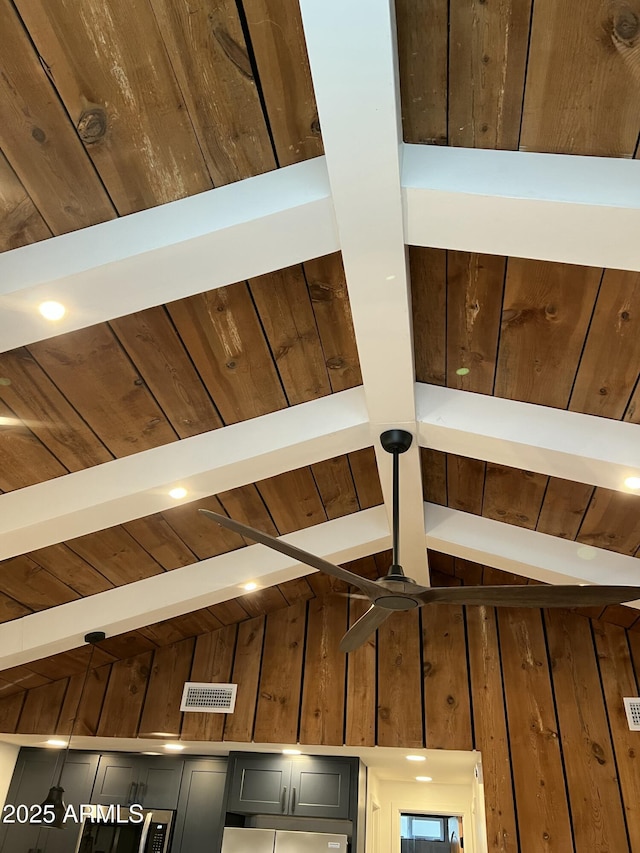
569, 445
577, 210
525, 552
138, 485
190, 588
353, 58
195, 244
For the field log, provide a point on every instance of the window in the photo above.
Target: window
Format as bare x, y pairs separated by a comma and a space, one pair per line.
423, 827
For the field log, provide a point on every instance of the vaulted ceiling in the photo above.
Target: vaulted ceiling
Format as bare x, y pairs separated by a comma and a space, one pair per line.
222, 195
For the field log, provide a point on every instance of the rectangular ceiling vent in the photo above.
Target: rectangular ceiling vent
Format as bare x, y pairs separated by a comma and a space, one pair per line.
632, 707
210, 698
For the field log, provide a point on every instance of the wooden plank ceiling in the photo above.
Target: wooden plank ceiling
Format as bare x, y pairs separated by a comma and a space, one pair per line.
111, 108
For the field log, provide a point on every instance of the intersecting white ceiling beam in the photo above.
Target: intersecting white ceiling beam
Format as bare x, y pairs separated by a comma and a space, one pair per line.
175, 250
572, 446
525, 552
187, 589
577, 210
357, 90
206, 464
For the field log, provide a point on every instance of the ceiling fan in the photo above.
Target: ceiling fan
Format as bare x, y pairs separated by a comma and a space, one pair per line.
395, 591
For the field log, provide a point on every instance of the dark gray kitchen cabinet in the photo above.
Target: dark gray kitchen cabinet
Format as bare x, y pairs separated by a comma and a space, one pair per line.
35, 772
150, 781
200, 819
304, 786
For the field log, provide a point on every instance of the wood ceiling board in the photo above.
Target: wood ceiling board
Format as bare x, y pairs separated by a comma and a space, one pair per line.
181, 627
246, 671
490, 725
96, 376
597, 813
488, 45
465, 483
474, 305
618, 679
116, 555
200, 534
32, 586
398, 674
612, 520
336, 486
190, 588
284, 307
41, 708
513, 496
608, 369
20, 220
423, 73
224, 337
563, 508
569, 46
286, 216
364, 470
25, 460
323, 701
114, 77
330, 302
160, 357
209, 57
546, 313
160, 541
368, 209
568, 445
40, 142
576, 210
212, 662
278, 43
60, 561
247, 506
525, 552
428, 269
447, 703
138, 486
41, 404
279, 695
81, 708
293, 500
543, 820
125, 696
434, 475
169, 671
361, 689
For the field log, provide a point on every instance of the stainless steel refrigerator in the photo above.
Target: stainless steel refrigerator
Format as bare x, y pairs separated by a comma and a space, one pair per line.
241, 840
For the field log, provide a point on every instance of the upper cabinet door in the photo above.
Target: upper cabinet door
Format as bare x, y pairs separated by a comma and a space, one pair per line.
117, 780
159, 782
320, 788
260, 784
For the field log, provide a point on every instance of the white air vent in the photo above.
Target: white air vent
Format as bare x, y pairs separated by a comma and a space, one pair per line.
632, 707
210, 698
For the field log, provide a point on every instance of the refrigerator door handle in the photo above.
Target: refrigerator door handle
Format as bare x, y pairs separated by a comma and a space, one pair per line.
293, 800
284, 798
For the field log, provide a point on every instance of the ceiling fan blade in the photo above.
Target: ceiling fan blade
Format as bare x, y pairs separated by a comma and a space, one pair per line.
318, 563
535, 595
361, 630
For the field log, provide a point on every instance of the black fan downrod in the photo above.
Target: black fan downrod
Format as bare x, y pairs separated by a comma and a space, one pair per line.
396, 441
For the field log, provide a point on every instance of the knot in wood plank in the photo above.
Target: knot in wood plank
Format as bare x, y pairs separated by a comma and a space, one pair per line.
626, 25
92, 125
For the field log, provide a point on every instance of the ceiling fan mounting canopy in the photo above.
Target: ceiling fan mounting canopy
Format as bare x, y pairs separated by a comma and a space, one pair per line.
395, 591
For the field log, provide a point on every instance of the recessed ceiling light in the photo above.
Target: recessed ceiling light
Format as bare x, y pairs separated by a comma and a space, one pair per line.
175, 747
151, 753
632, 482
55, 742
177, 493
250, 586
424, 779
292, 752
416, 758
586, 552
9, 421
52, 310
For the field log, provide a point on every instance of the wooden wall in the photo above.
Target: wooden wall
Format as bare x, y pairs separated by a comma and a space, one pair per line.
539, 693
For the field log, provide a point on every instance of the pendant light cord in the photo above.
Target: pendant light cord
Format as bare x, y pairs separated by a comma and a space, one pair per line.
77, 714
